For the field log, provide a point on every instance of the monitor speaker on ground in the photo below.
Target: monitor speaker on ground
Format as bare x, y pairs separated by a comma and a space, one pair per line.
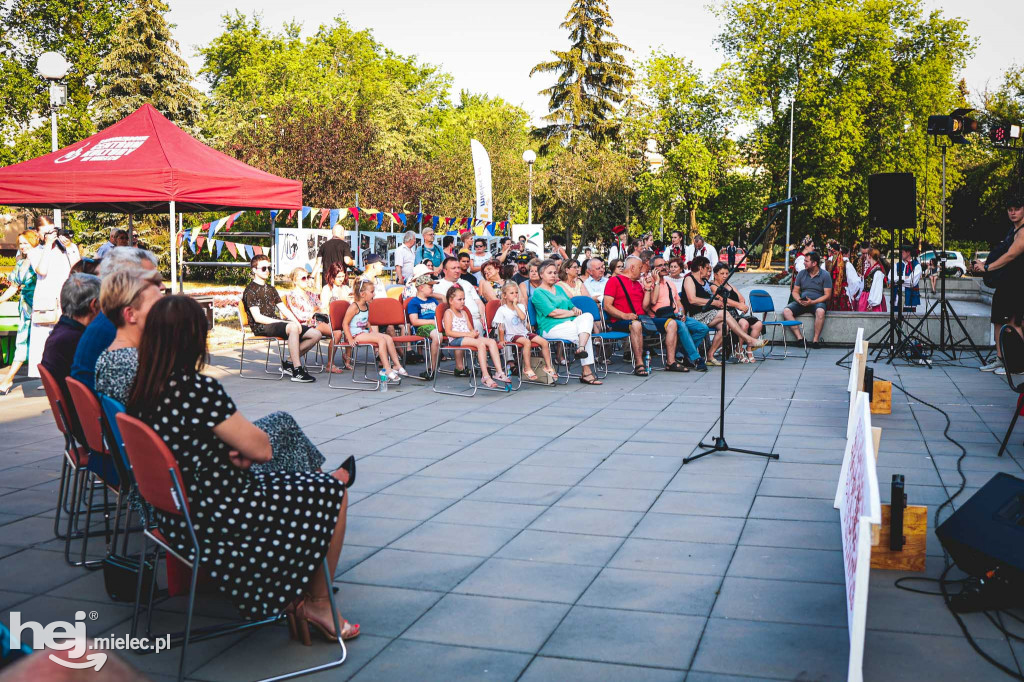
986, 534
892, 201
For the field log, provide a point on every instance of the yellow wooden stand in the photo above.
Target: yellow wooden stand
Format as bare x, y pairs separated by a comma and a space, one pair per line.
915, 530
881, 397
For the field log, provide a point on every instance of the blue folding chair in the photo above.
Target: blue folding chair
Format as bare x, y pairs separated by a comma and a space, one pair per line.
588, 305
761, 302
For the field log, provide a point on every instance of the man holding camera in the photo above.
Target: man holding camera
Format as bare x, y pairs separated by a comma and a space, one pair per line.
52, 261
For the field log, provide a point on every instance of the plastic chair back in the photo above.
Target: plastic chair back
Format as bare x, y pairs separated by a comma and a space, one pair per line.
55, 396
386, 311
490, 310
153, 465
761, 302
587, 305
337, 312
532, 312
115, 443
89, 413
243, 317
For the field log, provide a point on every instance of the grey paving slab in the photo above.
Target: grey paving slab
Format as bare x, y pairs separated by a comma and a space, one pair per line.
450, 538
414, 570
689, 481
549, 475
412, 660
703, 504
633, 590
533, 580
521, 493
431, 486
685, 528
563, 548
399, 506
778, 563
587, 521
799, 534
649, 639
793, 509
675, 557
782, 601
374, 531
500, 514
776, 650
903, 657
545, 669
483, 622
619, 499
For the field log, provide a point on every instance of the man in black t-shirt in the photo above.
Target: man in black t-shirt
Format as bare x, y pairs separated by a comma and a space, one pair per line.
265, 310
334, 250
465, 264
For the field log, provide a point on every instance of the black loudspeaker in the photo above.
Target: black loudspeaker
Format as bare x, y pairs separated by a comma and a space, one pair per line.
892, 201
987, 532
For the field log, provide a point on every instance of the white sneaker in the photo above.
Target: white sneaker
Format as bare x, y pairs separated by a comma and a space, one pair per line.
1001, 371
992, 366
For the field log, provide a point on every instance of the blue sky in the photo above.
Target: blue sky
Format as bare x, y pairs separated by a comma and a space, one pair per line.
490, 46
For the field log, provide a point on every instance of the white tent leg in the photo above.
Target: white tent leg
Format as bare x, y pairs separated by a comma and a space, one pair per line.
174, 252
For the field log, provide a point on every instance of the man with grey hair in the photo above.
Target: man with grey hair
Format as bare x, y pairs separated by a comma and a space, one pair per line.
595, 280
405, 259
101, 331
79, 305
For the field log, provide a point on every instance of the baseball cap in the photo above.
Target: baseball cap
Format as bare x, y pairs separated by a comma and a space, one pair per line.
423, 279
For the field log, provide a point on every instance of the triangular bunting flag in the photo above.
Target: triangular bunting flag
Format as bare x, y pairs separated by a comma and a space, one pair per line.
209, 245
200, 240
291, 214
257, 250
380, 219
248, 251
220, 247
181, 236
437, 221
305, 212
232, 249
273, 214
324, 213
354, 210
195, 235
335, 213
230, 220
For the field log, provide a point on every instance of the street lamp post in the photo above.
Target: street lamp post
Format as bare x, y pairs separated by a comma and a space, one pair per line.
530, 157
53, 67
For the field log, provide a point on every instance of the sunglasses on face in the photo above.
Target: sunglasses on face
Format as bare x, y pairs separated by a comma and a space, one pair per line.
263, 268
303, 279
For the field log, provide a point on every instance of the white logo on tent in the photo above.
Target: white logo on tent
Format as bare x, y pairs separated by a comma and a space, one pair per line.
72, 155
113, 148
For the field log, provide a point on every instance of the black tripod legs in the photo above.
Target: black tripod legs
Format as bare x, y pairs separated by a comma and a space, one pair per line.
720, 445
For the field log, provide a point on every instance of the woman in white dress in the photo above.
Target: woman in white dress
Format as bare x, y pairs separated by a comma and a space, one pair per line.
52, 261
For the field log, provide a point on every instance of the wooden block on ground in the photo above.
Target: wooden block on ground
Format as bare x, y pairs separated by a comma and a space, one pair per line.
881, 397
915, 530
876, 439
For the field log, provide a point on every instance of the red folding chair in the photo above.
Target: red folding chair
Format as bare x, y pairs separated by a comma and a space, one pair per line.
445, 346
389, 312
243, 322
160, 484
337, 312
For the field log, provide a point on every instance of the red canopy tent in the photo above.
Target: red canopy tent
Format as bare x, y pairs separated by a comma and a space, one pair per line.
144, 164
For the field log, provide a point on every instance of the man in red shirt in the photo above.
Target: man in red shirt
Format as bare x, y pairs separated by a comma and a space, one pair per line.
623, 313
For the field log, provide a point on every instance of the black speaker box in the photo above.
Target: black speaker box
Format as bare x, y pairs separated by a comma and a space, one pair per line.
987, 532
892, 201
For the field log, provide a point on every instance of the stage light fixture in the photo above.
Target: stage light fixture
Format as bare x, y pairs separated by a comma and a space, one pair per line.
1005, 133
954, 126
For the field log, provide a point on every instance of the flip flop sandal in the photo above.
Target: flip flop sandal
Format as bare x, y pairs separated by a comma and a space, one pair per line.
490, 383
530, 376
640, 371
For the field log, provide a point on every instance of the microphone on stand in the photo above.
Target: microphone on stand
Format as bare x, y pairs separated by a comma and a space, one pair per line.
795, 199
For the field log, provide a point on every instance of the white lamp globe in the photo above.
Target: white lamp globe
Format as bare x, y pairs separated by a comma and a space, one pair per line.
529, 156
52, 66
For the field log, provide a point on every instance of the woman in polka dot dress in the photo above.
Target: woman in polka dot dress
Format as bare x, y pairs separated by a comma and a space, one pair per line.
262, 535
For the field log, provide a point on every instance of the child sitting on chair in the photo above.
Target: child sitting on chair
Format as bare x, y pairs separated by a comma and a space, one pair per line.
358, 331
458, 327
510, 321
422, 316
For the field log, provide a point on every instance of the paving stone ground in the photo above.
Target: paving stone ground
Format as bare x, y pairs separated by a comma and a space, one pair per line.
554, 533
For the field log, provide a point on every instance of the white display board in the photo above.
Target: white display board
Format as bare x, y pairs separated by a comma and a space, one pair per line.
296, 247
859, 504
534, 237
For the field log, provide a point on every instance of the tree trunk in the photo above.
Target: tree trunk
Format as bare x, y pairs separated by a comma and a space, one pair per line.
769, 244
693, 225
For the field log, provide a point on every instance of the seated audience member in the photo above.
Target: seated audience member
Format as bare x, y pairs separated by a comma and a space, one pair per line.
263, 304
125, 298
451, 277
527, 288
522, 273
615, 267
304, 302
513, 326
422, 311
625, 299
698, 302
595, 280
457, 325
447, 247
478, 257
79, 305
115, 237
101, 332
739, 309
558, 318
666, 305
465, 269
676, 273
587, 254
467, 241
569, 278
492, 282
231, 464
373, 270
358, 330
336, 289
812, 288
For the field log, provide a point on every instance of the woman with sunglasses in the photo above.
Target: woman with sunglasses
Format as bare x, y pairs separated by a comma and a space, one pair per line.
569, 278
304, 302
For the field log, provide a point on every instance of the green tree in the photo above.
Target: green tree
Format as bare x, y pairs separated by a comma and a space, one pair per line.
593, 76
79, 30
863, 74
144, 65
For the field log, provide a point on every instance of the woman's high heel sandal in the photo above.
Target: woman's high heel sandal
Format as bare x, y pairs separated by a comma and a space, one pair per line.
303, 623
349, 465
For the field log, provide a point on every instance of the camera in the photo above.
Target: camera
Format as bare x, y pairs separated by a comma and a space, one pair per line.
67, 234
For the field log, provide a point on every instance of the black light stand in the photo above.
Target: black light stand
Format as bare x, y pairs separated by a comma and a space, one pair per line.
947, 342
720, 444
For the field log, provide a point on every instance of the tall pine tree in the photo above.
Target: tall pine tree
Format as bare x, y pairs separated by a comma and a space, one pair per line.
593, 76
144, 65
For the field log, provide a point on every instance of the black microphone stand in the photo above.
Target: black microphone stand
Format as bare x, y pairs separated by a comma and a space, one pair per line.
720, 444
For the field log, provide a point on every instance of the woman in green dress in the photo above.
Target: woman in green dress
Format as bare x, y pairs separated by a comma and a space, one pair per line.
22, 278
